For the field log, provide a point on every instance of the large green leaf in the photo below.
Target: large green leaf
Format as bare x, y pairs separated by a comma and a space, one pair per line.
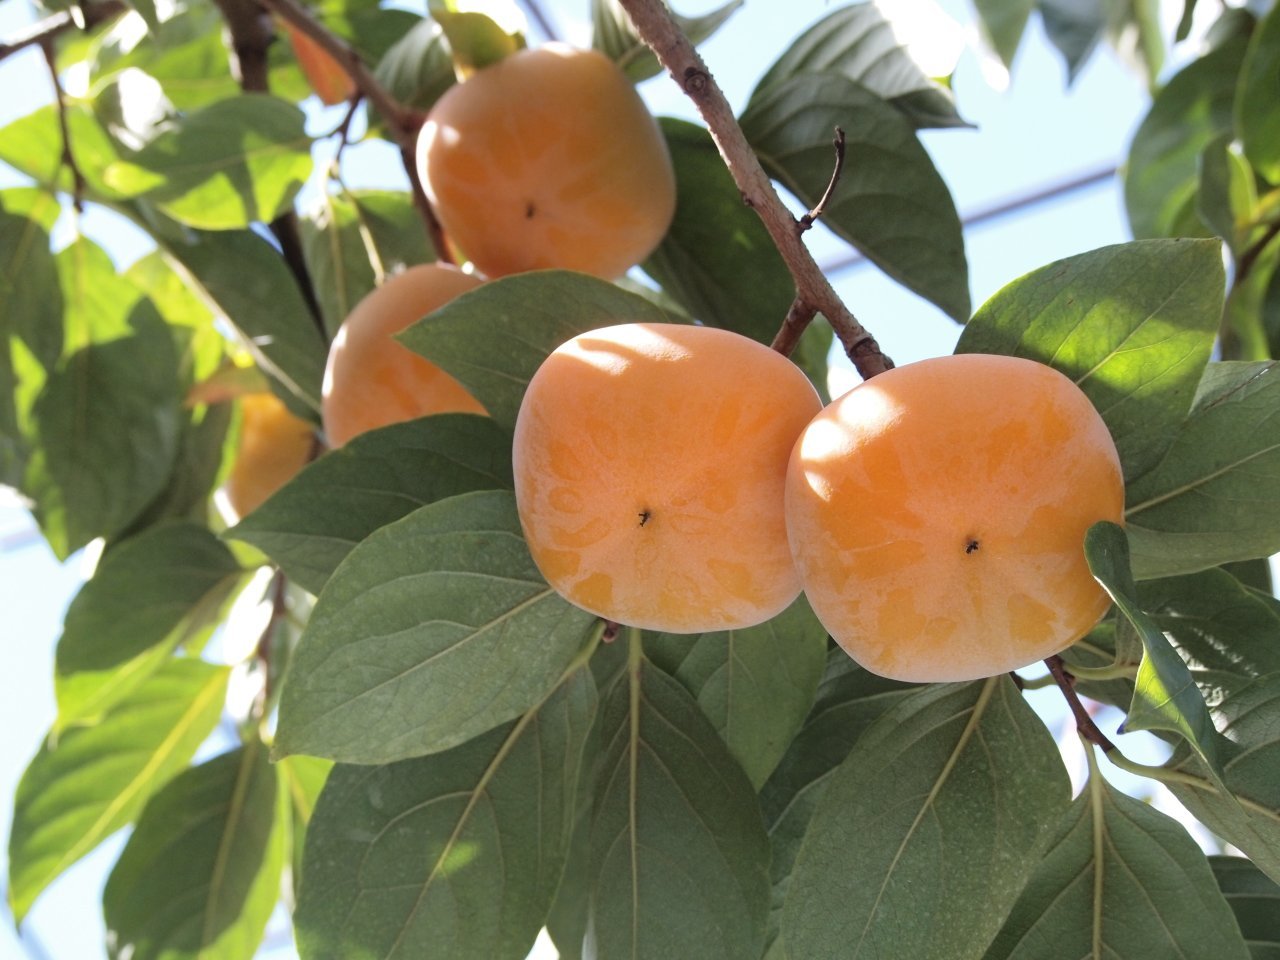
858, 42
1255, 900
452, 856
1165, 695
1161, 176
679, 856
1103, 890
201, 873
353, 239
716, 259
238, 161
435, 629
32, 144
495, 337
1003, 23
1074, 27
926, 834
418, 67
891, 202
613, 35
148, 594
107, 420
1257, 119
1132, 324
238, 271
312, 523
1215, 497
1250, 816
89, 782
756, 684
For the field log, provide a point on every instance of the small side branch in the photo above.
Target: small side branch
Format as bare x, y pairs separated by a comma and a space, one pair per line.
43, 31
655, 26
68, 158
810, 218
1084, 723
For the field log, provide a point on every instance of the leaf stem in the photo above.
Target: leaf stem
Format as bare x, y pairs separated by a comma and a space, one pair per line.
68, 158
1084, 723
654, 25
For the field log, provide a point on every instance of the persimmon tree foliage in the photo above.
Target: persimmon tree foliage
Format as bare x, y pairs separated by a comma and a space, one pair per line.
442, 755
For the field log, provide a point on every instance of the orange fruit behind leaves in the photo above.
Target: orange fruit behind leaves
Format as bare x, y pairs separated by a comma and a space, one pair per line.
370, 379
649, 465
274, 445
548, 158
937, 516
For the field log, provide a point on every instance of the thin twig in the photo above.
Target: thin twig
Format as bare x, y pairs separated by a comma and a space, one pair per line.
653, 23
1084, 723
799, 316
810, 218
403, 122
252, 34
91, 14
279, 611
68, 158
1245, 265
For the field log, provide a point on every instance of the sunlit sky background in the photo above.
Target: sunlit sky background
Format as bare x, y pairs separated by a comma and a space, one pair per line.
1034, 134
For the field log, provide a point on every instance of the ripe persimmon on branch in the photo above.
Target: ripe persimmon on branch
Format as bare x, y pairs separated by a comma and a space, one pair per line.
814, 294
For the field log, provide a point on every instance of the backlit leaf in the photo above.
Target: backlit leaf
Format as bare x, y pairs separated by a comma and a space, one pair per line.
435, 629
91, 781
613, 35
891, 203
926, 834
1257, 119
1132, 324
313, 522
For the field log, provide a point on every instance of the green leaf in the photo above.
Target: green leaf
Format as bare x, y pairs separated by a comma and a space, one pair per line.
312, 523
1165, 696
476, 40
927, 832
858, 42
679, 857
32, 145
494, 338
302, 778
891, 202
233, 163
717, 260
108, 419
418, 68
148, 594
1255, 900
368, 27
1003, 23
1136, 32
229, 820
455, 855
30, 296
147, 10
1132, 324
613, 35
353, 239
1257, 119
238, 272
435, 629
1249, 815
91, 781
1213, 498
756, 685
1226, 632
1103, 890
1074, 27
1192, 110
1227, 197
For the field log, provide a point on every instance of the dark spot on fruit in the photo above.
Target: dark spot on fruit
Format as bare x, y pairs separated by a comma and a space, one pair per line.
644, 517
971, 546
530, 210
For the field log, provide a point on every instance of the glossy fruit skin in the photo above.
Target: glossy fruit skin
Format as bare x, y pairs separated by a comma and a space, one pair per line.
273, 446
937, 516
371, 380
548, 158
649, 464
330, 82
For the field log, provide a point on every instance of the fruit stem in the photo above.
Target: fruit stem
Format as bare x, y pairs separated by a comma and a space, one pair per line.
1084, 723
810, 218
654, 25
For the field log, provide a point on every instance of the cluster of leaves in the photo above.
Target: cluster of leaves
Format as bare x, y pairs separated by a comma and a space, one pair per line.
461, 757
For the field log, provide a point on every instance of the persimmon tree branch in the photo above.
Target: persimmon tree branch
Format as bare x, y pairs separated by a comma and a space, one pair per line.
86, 17
403, 122
68, 158
654, 24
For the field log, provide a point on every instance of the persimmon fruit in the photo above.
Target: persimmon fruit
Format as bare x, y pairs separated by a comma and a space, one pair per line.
324, 74
273, 446
548, 158
937, 516
370, 379
649, 465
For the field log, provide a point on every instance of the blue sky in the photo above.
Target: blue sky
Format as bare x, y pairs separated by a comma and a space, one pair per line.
1034, 134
